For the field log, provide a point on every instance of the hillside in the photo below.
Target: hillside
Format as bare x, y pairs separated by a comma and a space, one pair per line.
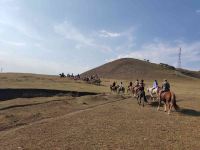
129, 68
195, 74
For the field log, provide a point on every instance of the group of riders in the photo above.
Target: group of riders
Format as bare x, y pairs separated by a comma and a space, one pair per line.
92, 79
71, 76
139, 86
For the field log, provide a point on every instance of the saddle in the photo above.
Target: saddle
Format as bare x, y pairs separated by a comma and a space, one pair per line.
163, 93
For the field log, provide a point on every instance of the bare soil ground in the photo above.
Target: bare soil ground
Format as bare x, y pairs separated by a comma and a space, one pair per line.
101, 121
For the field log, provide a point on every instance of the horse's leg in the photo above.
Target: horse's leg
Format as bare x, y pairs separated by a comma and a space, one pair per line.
157, 97
133, 93
165, 105
159, 102
138, 100
170, 108
151, 94
143, 101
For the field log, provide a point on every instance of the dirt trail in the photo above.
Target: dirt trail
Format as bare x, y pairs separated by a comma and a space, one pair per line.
113, 125
73, 112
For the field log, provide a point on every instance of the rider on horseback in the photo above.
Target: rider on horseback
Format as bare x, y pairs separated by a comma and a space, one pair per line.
155, 84
114, 84
136, 83
130, 85
141, 85
136, 86
121, 85
165, 87
141, 88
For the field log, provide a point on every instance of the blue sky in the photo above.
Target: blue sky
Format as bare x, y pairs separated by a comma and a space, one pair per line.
48, 36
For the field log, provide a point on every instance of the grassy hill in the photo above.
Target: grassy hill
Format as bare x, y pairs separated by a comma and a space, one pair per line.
129, 68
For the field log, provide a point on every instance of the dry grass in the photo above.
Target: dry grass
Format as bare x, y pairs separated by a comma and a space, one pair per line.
103, 121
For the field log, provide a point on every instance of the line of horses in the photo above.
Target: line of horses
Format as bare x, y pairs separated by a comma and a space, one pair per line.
154, 94
93, 79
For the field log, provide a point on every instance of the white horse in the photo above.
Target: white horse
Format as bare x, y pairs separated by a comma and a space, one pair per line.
154, 92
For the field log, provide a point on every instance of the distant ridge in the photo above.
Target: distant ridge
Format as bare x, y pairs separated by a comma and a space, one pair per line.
130, 68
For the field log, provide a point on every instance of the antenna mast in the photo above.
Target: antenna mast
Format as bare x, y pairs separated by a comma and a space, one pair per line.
179, 58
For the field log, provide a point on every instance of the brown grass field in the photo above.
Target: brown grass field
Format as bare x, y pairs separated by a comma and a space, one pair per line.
41, 112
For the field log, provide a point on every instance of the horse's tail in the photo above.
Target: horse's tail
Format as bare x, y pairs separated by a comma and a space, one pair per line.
176, 107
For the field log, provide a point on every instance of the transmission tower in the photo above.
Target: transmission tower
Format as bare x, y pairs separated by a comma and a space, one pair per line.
179, 58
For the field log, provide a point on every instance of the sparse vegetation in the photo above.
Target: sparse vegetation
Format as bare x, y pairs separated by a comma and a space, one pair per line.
69, 121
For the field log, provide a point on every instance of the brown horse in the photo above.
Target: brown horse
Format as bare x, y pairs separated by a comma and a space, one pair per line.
135, 90
169, 99
129, 89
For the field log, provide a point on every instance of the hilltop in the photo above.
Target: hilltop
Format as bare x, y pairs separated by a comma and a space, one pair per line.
129, 68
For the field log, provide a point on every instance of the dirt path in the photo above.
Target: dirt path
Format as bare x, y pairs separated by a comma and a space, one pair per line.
114, 125
68, 113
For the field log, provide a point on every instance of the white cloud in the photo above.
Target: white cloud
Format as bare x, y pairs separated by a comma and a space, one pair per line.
91, 40
165, 52
72, 33
104, 33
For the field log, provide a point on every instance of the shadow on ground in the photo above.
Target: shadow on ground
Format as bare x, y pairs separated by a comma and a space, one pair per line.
189, 112
155, 104
8, 94
182, 111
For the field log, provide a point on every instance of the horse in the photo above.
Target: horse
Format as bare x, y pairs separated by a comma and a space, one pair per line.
135, 90
154, 92
114, 88
62, 75
120, 89
169, 99
129, 89
140, 95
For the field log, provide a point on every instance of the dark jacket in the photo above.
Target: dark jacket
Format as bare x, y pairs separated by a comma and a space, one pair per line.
141, 88
166, 86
